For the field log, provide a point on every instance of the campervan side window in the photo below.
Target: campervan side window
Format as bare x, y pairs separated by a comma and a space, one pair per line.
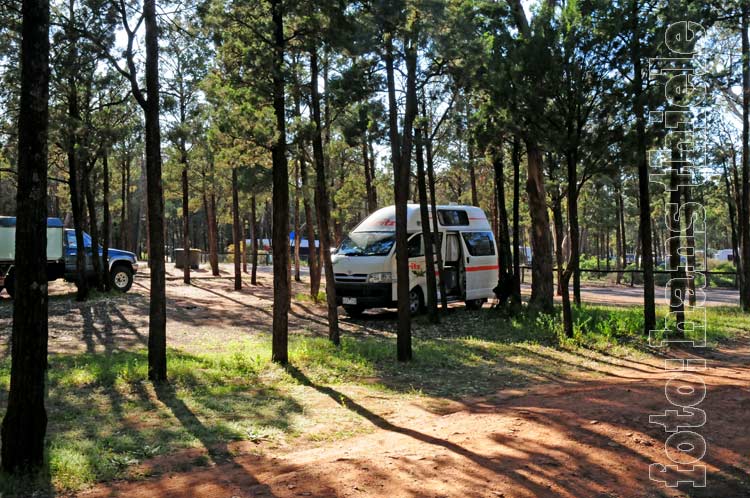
453, 217
416, 249
479, 243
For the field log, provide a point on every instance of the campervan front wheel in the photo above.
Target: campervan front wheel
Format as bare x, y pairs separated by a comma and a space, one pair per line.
416, 301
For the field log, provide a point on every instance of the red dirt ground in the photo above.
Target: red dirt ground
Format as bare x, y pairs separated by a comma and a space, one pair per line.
588, 439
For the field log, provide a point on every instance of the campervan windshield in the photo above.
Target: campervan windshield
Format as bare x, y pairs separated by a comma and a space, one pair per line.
367, 244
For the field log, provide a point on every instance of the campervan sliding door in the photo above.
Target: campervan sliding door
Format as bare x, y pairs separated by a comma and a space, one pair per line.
480, 261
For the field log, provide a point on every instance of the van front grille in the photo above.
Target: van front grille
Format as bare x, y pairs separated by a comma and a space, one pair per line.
354, 277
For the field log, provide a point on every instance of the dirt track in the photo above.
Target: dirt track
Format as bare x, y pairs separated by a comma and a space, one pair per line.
588, 439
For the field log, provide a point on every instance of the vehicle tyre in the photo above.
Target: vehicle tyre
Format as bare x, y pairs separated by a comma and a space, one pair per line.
354, 311
10, 284
474, 304
121, 278
416, 301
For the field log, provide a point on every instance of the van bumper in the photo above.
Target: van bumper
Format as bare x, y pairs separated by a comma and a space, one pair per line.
367, 295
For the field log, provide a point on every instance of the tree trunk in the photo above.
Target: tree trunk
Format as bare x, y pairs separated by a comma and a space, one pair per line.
25, 421
185, 214
504, 288
213, 232
621, 244
433, 205
400, 149
280, 229
676, 287
559, 234
297, 234
745, 206
124, 189
542, 288
74, 170
649, 307
516, 159
572, 268
427, 233
254, 239
236, 232
157, 323
472, 174
96, 263
369, 187
732, 218
312, 258
107, 222
322, 202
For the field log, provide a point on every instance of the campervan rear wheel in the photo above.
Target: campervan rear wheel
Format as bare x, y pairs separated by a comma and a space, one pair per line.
416, 301
354, 311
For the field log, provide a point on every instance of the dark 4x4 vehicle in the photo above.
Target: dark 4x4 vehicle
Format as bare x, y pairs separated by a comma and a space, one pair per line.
61, 256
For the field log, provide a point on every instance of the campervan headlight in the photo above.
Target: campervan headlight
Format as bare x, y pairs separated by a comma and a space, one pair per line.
379, 278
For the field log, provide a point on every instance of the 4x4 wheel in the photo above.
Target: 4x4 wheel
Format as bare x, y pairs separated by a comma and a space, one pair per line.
121, 278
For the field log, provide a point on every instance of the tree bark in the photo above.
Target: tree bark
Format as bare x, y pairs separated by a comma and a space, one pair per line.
433, 206
504, 288
157, 323
369, 188
427, 233
96, 263
676, 288
74, 168
745, 217
542, 288
185, 214
401, 150
107, 222
280, 229
516, 159
25, 421
322, 202
236, 232
254, 225
649, 307
297, 234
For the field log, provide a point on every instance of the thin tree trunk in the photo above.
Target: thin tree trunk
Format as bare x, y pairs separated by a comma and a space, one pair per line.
559, 234
369, 187
649, 306
254, 239
236, 232
322, 202
25, 421
429, 246
676, 288
732, 218
516, 160
433, 206
297, 234
157, 323
506, 278
107, 222
312, 258
185, 214
400, 149
96, 263
745, 290
74, 168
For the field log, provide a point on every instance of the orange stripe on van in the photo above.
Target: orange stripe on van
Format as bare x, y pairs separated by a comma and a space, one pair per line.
482, 268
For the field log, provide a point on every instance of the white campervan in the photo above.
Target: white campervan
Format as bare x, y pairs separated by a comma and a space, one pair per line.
365, 263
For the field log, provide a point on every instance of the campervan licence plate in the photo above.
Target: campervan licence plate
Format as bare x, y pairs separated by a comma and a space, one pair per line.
349, 300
